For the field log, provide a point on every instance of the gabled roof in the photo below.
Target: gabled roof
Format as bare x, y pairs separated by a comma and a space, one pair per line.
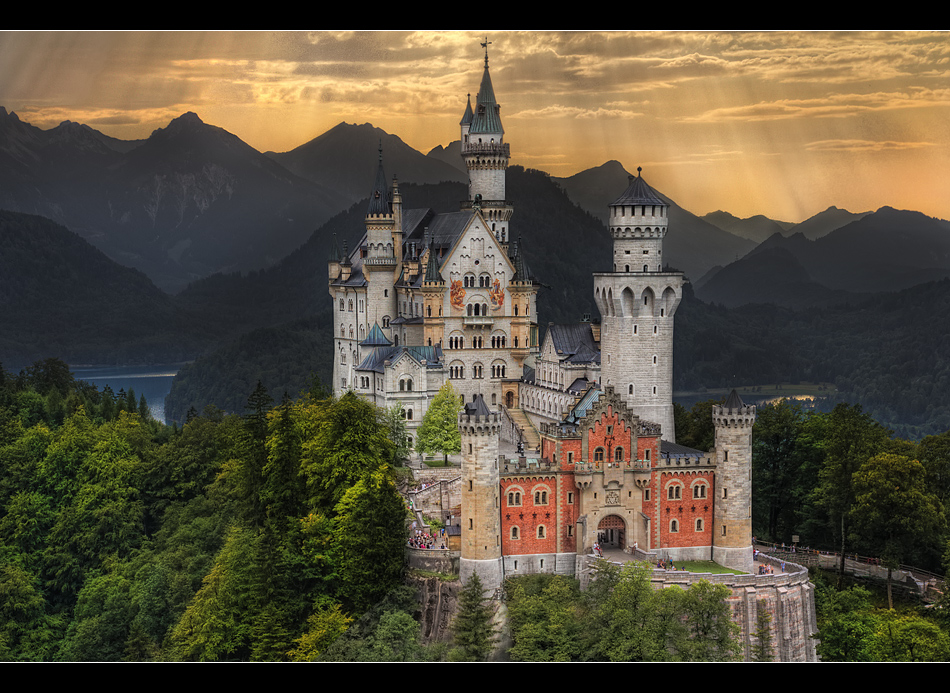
477, 407
584, 405
376, 361
574, 342
638, 193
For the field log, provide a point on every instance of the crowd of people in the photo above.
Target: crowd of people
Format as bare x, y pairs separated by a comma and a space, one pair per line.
424, 540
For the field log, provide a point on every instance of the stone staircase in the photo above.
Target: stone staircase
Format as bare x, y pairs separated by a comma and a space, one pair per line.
531, 437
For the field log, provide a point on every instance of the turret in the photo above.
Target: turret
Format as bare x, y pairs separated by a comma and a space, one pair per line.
732, 508
638, 221
481, 515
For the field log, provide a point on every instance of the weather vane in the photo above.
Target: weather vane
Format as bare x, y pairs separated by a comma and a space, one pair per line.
485, 45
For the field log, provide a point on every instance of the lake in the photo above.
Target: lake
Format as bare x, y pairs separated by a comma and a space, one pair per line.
155, 382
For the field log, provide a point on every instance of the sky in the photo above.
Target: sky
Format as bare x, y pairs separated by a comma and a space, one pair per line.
778, 123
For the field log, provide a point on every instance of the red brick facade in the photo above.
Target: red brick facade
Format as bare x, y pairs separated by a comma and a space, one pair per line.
604, 467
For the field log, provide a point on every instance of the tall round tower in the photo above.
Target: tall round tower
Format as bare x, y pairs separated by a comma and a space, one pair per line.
637, 301
481, 514
732, 508
486, 157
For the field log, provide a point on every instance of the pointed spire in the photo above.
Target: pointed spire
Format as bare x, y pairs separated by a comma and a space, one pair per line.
379, 202
487, 118
468, 115
734, 401
335, 251
432, 266
522, 273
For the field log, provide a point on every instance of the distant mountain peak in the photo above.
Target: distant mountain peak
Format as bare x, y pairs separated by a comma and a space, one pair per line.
186, 122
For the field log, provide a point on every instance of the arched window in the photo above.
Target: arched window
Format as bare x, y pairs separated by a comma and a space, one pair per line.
674, 525
699, 524
599, 455
674, 492
699, 491
540, 531
618, 455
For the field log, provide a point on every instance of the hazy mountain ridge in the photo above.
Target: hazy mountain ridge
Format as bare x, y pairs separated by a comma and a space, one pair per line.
691, 245
755, 228
344, 160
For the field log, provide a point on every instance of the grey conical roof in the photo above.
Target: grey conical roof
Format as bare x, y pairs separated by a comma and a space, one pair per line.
734, 401
638, 193
379, 202
468, 115
487, 118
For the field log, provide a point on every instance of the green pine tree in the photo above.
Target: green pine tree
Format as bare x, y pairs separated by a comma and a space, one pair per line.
473, 629
763, 651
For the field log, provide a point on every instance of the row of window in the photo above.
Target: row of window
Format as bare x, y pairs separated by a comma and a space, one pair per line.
497, 342
599, 454
675, 490
484, 281
540, 498
675, 525
541, 532
457, 371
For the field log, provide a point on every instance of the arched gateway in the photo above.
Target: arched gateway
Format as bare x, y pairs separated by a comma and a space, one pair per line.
612, 532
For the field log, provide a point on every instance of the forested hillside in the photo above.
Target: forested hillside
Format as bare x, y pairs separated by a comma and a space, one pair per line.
256, 537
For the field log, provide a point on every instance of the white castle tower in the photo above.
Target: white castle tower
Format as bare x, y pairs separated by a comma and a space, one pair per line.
486, 156
732, 521
637, 301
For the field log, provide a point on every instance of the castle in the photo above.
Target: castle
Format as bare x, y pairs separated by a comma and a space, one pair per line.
427, 298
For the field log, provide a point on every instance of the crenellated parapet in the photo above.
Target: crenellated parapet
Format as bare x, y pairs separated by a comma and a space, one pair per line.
488, 424
739, 417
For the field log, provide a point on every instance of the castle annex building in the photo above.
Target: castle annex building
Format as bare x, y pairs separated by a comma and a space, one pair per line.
424, 298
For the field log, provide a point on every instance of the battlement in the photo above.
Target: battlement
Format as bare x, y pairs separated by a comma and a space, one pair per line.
486, 148
480, 424
739, 417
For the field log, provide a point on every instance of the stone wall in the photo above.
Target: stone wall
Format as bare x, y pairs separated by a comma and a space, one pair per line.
442, 493
434, 560
789, 598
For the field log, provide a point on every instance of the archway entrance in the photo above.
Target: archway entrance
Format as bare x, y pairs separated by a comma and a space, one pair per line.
510, 399
612, 532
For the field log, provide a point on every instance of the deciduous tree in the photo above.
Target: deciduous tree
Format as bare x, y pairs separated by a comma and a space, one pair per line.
439, 430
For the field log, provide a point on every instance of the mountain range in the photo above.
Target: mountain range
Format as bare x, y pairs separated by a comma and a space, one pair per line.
224, 240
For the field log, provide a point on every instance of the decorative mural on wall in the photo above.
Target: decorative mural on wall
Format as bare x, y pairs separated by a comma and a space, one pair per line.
497, 295
457, 295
